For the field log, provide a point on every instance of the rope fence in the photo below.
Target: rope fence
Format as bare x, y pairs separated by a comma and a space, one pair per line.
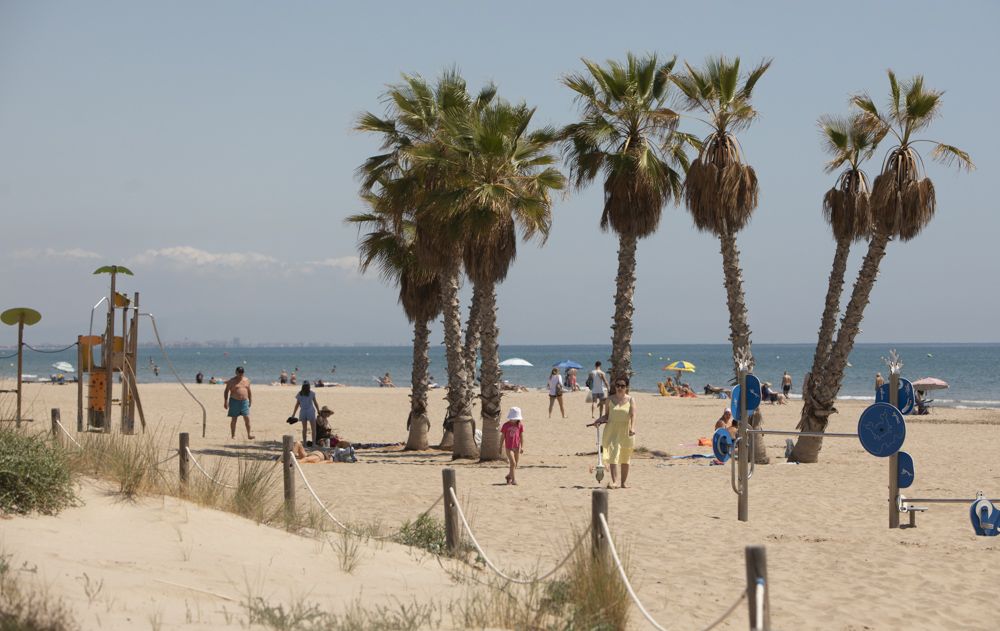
498, 571
206, 473
41, 350
456, 522
344, 526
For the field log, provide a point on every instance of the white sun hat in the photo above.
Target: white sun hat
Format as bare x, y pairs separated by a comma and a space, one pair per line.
514, 414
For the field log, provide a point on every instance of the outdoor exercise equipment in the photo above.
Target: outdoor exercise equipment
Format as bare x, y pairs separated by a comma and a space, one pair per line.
21, 316
881, 431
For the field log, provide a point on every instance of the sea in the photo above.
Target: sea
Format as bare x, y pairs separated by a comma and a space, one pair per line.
971, 370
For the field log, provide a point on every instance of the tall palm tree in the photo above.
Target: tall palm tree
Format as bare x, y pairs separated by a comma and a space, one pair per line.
627, 134
902, 204
390, 247
721, 189
849, 141
503, 184
412, 131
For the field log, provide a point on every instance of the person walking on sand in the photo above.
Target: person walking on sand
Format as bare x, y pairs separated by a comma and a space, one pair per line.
879, 381
597, 381
556, 392
237, 398
305, 401
513, 441
618, 440
786, 384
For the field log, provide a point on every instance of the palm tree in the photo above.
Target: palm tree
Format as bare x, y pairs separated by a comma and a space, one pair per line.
412, 131
390, 246
627, 134
503, 182
849, 141
902, 204
721, 190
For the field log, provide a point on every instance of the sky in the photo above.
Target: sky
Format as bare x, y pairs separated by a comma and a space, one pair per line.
209, 147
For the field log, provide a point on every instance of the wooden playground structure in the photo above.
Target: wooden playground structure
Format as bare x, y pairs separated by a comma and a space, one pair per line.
118, 354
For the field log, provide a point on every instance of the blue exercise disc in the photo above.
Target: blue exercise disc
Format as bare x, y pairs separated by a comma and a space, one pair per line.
753, 397
881, 429
906, 398
722, 444
904, 470
985, 518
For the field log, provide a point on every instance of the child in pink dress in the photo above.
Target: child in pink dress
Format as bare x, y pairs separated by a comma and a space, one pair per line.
513, 440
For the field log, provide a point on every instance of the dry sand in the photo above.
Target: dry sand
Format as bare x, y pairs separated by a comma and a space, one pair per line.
832, 561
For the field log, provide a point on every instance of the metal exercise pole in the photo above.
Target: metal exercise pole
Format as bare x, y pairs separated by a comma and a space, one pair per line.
894, 458
743, 450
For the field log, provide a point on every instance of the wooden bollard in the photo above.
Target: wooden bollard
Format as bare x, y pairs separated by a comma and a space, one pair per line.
598, 507
183, 460
55, 426
451, 529
760, 619
288, 460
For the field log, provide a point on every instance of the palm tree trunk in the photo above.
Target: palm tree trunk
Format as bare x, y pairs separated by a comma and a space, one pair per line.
490, 381
739, 326
621, 328
472, 334
819, 399
459, 419
419, 424
828, 323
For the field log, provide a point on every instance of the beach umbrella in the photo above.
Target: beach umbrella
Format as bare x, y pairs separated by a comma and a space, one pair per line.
64, 367
930, 383
567, 363
516, 361
680, 366
21, 316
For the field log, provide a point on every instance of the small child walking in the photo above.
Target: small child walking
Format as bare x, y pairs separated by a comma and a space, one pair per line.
513, 440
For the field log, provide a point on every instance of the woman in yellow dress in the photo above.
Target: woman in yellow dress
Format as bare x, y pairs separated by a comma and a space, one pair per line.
619, 435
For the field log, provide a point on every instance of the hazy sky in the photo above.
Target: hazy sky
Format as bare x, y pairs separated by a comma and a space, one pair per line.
208, 146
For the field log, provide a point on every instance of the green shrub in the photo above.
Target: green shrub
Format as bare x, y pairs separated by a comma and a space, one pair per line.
425, 533
34, 474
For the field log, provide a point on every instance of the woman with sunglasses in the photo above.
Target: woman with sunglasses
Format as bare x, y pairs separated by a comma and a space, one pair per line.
619, 436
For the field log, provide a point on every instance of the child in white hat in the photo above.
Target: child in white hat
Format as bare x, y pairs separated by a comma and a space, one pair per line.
513, 440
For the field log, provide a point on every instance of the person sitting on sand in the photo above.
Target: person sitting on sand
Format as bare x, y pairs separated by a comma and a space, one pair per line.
386, 381
772, 397
283, 377
324, 433
726, 421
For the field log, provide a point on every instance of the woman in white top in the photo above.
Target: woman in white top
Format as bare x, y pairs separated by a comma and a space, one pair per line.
556, 391
305, 401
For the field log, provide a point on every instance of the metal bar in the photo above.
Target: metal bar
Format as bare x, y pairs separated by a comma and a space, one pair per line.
791, 433
743, 451
944, 500
894, 458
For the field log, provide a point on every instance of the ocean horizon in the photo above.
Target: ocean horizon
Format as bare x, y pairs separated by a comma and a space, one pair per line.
969, 368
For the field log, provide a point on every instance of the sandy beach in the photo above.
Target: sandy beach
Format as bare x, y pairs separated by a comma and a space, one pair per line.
832, 561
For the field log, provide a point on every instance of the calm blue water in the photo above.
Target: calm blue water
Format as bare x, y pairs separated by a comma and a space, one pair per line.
971, 369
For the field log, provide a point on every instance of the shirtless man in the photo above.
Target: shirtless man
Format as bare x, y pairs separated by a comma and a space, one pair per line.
237, 399
786, 383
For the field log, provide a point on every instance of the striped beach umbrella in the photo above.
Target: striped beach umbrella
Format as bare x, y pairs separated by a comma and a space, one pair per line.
680, 366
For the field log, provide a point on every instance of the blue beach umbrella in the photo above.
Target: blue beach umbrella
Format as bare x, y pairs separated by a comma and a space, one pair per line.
567, 363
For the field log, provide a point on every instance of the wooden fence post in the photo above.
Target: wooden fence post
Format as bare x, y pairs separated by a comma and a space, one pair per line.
56, 437
598, 507
288, 460
452, 532
760, 610
183, 460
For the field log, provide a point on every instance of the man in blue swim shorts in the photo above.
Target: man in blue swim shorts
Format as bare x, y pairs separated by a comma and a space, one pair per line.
237, 399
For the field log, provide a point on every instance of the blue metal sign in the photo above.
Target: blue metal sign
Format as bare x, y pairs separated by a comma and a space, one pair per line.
985, 518
753, 397
904, 470
722, 444
881, 429
906, 398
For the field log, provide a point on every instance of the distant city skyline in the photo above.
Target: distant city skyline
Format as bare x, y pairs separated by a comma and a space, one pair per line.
210, 148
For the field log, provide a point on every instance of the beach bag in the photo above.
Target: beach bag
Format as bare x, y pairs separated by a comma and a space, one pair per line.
344, 454
590, 396
559, 389
590, 381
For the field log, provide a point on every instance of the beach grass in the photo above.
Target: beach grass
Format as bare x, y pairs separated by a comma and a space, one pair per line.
35, 475
29, 608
